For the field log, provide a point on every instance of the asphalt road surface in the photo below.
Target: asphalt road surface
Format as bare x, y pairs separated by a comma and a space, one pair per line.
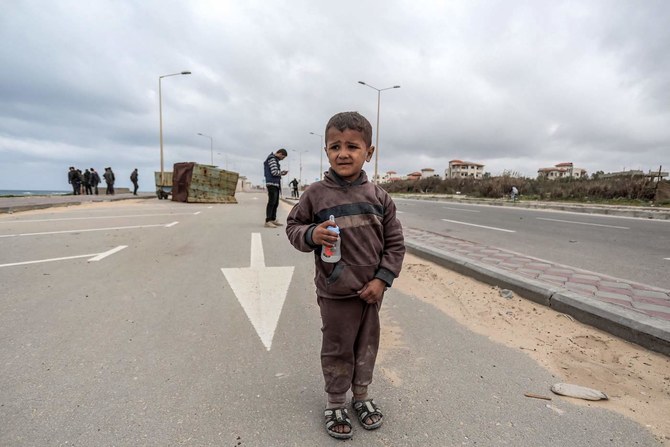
629, 248
120, 328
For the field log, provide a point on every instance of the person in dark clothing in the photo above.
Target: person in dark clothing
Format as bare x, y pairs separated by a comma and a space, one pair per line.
133, 178
273, 175
73, 179
109, 179
95, 180
294, 188
87, 182
80, 181
349, 291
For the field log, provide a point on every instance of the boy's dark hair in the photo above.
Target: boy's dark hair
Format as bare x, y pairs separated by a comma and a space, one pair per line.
354, 121
283, 152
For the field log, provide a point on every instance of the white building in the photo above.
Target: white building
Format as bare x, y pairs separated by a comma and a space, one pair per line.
562, 170
427, 172
462, 169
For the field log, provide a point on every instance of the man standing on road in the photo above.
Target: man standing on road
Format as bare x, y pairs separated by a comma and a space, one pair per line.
87, 182
133, 178
95, 180
73, 179
109, 179
294, 188
273, 176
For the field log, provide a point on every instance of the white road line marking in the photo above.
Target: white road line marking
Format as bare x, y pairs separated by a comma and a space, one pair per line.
97, 217
667, 259
47, 260
89, 230
480, 226
197, 213
583, 223
460, 209
107, 253
96, 257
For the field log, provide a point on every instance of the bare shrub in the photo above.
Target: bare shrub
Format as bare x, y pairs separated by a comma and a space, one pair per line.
616, 188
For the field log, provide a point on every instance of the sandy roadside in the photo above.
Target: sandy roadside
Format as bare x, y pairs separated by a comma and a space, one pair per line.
636, 380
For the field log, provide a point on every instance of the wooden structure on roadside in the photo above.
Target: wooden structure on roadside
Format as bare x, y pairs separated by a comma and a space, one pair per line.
163, 184
196, 183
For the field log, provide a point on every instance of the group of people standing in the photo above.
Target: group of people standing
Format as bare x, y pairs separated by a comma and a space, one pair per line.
87, 182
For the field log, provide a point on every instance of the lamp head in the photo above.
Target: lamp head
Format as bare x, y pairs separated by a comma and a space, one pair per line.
186, 72
361, 82
396, 86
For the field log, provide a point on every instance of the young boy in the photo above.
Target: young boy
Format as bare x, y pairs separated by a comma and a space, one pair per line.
349, 292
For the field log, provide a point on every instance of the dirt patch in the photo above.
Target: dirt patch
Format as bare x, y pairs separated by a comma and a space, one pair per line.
636, 380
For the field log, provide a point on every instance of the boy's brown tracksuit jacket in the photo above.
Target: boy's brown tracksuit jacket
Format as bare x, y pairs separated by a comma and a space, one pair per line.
372, 246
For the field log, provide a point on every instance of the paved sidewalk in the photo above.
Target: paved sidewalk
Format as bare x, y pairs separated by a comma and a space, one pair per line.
630, 310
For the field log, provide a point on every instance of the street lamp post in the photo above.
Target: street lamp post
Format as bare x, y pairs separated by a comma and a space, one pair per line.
379, 93
320, 150
225, 158
300, 162
211, 145
160, 115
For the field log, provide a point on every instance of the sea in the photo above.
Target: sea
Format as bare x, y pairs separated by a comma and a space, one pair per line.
32, 192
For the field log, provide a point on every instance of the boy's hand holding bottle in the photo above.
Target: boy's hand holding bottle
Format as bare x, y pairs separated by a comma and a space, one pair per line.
323, 236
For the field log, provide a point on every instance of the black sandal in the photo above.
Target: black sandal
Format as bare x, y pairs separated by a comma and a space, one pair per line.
365, 409
338, 416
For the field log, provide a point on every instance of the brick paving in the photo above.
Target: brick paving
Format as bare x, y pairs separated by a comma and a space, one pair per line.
646, 300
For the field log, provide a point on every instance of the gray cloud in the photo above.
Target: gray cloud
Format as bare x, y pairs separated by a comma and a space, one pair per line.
514, 85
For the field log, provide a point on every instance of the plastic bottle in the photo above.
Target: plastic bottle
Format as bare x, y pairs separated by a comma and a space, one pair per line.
332, 254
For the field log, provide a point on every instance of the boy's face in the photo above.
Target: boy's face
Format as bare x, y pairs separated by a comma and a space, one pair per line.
347, 152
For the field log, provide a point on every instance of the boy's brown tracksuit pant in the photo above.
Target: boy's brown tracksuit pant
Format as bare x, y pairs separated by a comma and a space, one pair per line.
349, 347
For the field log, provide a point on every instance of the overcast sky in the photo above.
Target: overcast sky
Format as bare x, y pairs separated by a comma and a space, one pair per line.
514, 85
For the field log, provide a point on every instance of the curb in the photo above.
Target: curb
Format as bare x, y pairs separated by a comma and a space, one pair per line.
40, 206
629, 325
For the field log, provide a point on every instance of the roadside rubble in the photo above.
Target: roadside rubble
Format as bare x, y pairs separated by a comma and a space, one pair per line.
578, 391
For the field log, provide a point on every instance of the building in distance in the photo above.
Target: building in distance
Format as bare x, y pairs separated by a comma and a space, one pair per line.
461, 169
561, 170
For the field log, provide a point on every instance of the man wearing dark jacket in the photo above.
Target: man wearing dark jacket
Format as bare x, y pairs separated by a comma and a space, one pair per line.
95, 180
87, 182
73, 179
109, 179
273, 174
133, 178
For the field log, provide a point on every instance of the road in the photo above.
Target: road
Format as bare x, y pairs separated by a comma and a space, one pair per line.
628, 248
119, 327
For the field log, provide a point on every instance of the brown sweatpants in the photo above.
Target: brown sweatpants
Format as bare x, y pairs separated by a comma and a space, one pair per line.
349, 345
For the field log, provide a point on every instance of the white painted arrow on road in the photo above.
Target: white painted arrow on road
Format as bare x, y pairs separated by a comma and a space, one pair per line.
260, 290
96, 257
